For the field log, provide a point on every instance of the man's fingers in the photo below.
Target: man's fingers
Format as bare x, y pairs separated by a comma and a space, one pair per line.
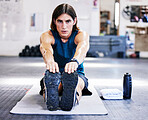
75, 67
71, 67
66, 66
47, 66
50, 68
53, 67
56, 67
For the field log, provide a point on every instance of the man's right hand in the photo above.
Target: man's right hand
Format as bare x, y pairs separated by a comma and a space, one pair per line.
52, 66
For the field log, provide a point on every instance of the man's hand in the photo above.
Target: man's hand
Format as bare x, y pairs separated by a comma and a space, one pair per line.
52, 67
71, 67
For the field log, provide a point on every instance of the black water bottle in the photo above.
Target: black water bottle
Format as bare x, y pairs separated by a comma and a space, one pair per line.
127, 86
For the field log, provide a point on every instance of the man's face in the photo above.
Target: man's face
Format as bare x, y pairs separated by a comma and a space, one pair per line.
64, 24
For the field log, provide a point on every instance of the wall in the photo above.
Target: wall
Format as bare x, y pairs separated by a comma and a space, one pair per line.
15, 28
30, 18
106, 5
124, 22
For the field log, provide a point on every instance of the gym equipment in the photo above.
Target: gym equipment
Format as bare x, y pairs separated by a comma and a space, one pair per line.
33, 51
109, 46
33, 103
127, 86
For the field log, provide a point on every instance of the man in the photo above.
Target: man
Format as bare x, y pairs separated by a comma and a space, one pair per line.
64, 48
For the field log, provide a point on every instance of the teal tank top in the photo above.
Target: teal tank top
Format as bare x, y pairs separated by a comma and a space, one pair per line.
64, 52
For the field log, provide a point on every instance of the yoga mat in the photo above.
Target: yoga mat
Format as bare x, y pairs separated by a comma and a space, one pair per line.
33, 103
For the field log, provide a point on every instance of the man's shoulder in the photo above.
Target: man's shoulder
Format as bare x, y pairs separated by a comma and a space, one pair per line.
81, 36
47, 37
49, 33
81, 33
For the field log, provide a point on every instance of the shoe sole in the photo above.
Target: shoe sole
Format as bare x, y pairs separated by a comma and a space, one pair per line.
69, 82
52, 81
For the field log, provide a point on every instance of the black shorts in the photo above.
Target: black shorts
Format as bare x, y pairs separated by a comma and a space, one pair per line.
84, 79
85, 91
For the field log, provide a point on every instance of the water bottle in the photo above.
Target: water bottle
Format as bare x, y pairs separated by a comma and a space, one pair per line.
127, 86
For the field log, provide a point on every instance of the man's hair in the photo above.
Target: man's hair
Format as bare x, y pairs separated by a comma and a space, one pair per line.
61, 9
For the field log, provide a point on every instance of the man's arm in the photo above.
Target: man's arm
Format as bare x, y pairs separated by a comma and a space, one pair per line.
82, 42
46, 40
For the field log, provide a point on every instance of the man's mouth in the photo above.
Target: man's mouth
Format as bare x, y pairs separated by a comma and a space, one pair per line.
64, 31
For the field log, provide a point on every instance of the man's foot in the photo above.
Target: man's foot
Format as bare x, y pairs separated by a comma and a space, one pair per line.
69, 82
52, 81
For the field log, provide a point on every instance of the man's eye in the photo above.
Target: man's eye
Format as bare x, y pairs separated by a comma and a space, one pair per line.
59, 21
68, 21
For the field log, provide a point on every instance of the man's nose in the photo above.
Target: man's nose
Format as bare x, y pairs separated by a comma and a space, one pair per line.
64, 25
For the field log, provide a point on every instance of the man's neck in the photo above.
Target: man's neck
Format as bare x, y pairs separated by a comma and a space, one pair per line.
64, 40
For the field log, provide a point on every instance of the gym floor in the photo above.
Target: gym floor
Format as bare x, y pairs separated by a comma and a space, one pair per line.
18, 74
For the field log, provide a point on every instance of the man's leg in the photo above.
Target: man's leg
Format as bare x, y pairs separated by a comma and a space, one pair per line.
72, 90
60, 89
80, 86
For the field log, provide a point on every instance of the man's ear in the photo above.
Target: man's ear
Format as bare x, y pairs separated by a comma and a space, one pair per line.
75, 21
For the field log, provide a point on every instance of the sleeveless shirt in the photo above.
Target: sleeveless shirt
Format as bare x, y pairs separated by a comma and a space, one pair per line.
64, 52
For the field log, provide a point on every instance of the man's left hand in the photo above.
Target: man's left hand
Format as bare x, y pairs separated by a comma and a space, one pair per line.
71, 67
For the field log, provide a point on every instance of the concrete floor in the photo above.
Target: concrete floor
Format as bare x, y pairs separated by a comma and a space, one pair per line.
18, 74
